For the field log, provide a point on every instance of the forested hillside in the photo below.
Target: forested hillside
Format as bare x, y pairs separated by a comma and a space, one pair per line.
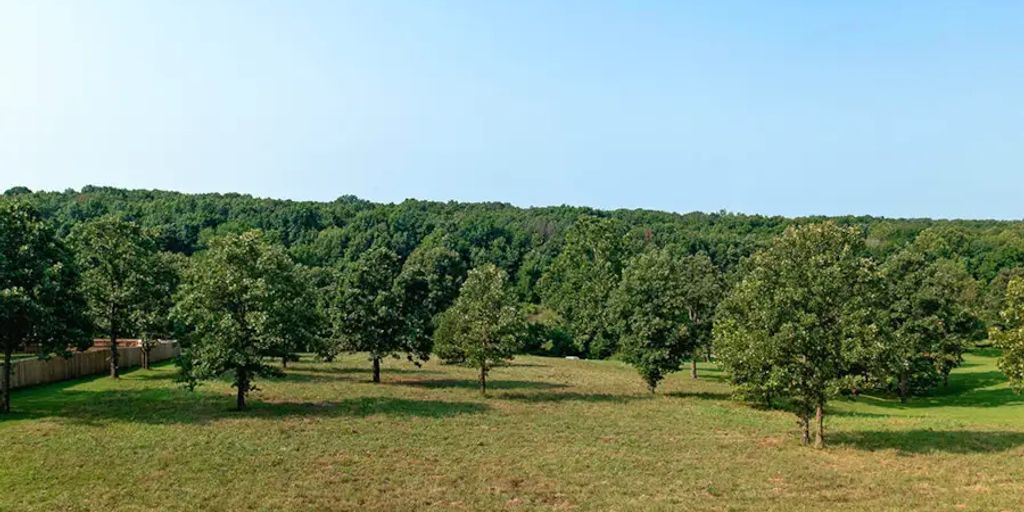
878, 303
520, 240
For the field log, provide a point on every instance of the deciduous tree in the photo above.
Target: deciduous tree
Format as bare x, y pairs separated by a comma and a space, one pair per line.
703, 287
924, 321
786, 328
652, 315
243, 300
1010, 337
484, 326
366, 308
152, 318
581, 279
427, 285
40, 303
117, 258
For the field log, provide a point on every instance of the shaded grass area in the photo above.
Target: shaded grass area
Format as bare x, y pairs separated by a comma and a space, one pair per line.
553, 435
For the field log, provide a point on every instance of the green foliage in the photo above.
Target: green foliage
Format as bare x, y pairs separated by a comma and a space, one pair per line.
786, 329
243, 300
993, 301
427, 285
120, 274
484, 327
581, 279
39, 299
703, 288
923, 317
546, 333
652, 309
152, 319
1010, 338
366, 312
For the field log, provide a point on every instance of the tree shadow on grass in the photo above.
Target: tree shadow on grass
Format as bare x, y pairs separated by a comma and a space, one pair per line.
519, 364
366, 373
968, 389
930, 441
167, 406
987, 352
701, 395
475, 384
711, 374
368, 406
552, 397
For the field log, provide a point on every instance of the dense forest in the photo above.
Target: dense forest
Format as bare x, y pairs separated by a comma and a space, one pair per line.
522, 241
795, 309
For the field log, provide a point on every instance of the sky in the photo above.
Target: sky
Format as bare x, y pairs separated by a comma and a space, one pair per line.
900, 109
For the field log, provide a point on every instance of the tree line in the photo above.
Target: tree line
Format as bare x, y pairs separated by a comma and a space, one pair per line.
796, 310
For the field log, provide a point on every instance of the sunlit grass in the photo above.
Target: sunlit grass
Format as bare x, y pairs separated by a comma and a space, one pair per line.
553, 435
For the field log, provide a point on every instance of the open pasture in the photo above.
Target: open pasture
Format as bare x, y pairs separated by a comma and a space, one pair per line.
553, 435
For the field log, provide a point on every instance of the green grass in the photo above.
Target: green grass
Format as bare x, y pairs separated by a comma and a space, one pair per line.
553, 435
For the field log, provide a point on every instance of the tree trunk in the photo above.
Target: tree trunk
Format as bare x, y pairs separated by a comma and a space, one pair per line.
693, 366
483, 380
145, 355
242, 382
819, 420
805, 430
113, 355
376, 369
945, 379
904, 387
5, 385
284, 361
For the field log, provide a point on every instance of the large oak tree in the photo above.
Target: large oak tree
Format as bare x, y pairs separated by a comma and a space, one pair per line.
40, 303
244, 301
119, 273
787, 328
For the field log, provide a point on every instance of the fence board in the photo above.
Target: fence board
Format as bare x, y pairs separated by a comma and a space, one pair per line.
31, 372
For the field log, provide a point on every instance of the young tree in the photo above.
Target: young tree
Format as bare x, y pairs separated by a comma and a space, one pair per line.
152, 319
582, 278
118, 261
39, 299
1010, 337
366, 310
786, 328
652, 313
702, 291
484, 326
243, 300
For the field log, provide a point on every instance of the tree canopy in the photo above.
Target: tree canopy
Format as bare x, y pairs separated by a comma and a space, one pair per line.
119, 273
1010, 338
485, 326
40, 302
243, 300
652, 307
786, 328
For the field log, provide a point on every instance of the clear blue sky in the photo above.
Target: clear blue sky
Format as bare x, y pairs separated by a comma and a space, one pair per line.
817, 107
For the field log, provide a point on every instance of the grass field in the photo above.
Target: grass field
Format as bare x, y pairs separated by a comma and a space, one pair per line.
554, 435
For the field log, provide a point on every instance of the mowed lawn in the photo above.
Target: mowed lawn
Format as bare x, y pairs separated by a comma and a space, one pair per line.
553, 435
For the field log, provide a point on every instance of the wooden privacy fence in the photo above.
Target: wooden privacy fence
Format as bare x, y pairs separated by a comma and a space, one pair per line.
30, 372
